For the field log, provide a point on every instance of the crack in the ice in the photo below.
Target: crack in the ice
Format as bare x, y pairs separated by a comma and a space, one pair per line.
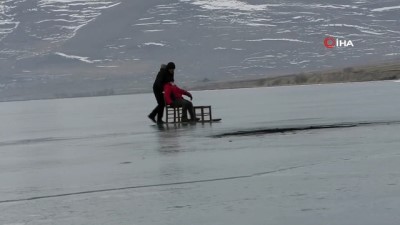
155, 185
55, 139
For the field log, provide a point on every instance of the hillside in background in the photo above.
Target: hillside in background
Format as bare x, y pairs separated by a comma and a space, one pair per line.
72, 48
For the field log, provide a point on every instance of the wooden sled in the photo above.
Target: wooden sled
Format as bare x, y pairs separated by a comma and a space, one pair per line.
174, 114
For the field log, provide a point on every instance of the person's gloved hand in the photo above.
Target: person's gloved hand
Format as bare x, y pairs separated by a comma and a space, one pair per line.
191, 97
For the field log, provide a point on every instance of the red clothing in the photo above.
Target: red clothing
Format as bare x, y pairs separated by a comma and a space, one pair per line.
173, 92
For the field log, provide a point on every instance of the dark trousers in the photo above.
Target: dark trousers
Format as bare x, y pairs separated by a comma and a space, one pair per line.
159, 109
186, 106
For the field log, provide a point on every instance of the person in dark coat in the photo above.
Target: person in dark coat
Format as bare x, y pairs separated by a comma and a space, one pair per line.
165, 75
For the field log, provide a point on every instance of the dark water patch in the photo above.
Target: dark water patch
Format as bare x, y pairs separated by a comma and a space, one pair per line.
264, 131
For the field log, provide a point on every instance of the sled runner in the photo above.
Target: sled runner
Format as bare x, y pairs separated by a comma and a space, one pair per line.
203, 113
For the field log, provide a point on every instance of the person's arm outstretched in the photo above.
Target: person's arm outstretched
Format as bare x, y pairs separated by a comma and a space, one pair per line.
184, 92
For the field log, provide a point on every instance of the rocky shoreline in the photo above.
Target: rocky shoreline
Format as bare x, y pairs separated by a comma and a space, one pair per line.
379, 72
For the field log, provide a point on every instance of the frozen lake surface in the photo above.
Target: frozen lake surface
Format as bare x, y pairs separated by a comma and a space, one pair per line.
101, 161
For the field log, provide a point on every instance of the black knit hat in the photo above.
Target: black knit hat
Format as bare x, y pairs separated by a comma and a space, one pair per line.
170, 65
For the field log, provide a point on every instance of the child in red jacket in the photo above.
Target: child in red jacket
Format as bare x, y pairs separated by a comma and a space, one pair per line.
174, 97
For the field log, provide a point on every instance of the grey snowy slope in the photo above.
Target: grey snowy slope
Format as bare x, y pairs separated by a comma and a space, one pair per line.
56, 47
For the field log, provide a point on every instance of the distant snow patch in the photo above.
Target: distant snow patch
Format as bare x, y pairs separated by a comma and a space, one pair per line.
58, 20
57, 1
385, 8
80, 58
108, 6
165, 7
278, 39
170, 23
228, 5
148, 18
154, 44
260, 25
259, 58
146, 24
331, 6
76, 18
283, 31
7, 20
223, 48
149, 31
300, 62
107, 66
360, 28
